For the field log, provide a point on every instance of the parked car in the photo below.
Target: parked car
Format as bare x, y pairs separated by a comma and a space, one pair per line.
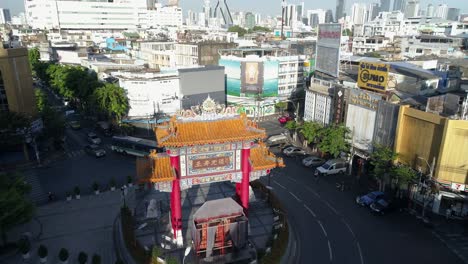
312, 161
370, 198
332, 166
284, 119
95, 150
382, 206
294, 151
75, 125
277, 139
105, 128
93, 138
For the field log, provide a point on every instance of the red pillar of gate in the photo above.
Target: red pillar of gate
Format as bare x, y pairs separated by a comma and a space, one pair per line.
245, 166
176, 207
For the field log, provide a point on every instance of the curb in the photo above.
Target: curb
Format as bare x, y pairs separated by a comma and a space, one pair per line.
290, 255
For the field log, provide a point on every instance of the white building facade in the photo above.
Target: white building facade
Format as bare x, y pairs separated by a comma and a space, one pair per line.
318, 102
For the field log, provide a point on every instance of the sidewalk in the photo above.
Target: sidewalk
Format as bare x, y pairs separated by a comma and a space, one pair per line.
79, 225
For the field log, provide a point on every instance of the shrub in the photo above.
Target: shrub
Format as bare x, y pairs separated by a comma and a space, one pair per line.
95, 186
24, 246
96, 259
42, 251
76, 190
82, 258
63, 254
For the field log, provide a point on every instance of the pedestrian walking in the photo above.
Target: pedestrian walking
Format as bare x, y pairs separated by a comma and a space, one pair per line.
317, 176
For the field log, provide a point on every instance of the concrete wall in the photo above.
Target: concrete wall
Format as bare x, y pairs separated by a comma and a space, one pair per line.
17, 78
452, 164
208, 52
197, 83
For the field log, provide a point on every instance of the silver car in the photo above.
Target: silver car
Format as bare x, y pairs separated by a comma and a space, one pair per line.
312, 161
93, 138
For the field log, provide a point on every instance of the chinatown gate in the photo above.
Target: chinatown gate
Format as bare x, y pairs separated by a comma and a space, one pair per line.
209, 143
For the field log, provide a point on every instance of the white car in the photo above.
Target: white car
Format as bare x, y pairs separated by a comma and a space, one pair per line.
312, 161
332, 166
294, 151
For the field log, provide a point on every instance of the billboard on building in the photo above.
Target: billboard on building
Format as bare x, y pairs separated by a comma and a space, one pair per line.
328, 49
373, 76
270, 75
232, 69
251, 78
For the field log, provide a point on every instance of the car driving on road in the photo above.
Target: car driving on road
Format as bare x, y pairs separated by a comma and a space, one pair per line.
370, 198
93, 138
332, 166
95, 150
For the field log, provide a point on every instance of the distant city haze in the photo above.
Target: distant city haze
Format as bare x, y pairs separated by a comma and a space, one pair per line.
265, 7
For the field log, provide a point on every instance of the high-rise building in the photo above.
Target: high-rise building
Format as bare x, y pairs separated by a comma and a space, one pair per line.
258, 18
441, 11
5, 16
16, 84
340, 9
300, 11
329, 16
207, 10
313, 20
359, 13
317, 15
249, 20
385, 5
453, 14
399, 5
373, 10
412, 8
430, 10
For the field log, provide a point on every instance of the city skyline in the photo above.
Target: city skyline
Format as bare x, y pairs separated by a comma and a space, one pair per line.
264, 6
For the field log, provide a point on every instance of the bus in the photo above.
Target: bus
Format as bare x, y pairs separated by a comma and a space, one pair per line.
134, 146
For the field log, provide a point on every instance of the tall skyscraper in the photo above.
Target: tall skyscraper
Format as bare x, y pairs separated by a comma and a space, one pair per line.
5, 16
430, 10
359, 13
373, 11
340, 7
412, 8
385, 5
453, 14
399, 5
249, 20
207, 9
441, 11
329, 16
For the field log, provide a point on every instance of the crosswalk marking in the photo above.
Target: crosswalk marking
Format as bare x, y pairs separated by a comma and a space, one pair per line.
75, 153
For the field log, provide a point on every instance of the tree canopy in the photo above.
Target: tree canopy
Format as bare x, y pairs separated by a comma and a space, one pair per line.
12, 128
34, 56
240, 30
311, 131
112, 100
15, 207
335, 140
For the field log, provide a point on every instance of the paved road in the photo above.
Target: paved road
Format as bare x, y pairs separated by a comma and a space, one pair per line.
332, 229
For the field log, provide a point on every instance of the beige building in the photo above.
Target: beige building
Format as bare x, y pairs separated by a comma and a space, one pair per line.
16, 84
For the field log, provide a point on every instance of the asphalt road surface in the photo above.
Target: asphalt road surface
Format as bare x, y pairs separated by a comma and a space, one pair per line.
332, 228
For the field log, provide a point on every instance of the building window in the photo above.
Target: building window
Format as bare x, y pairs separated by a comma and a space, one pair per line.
419, 51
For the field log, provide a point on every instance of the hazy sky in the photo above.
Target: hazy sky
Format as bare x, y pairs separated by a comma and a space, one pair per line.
266, 7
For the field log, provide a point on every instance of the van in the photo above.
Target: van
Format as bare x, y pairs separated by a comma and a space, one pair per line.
332, 166
277, 139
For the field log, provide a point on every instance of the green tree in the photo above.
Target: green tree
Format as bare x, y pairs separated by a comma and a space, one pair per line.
311, 131
13, 125
112, 100
54, 124
41, 100
382, 159
291, 125
240, 30
41, 71
334, 140
347, 32
261, 29
34, 56
282, 106
404, 175
15, 207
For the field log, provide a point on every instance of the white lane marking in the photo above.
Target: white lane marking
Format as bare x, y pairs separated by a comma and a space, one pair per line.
279, 184
323, 229
330, 251
360, 253
292, 179
331, 207
310, 211
297, 198
312, 191
348, 226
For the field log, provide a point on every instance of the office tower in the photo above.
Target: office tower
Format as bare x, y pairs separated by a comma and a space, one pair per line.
412, 8
329, 16
16, 84
441, 11
340, 9
5, 16
385, 5
430, 10
319, 14
207, 9
249, 20
453, 14
313, 20
399, 5
373, 11
359, 13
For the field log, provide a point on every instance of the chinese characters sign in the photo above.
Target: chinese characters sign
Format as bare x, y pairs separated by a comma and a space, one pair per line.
210, 163
365, 99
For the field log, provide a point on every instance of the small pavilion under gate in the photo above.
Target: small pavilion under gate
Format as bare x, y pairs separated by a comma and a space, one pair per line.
210, 143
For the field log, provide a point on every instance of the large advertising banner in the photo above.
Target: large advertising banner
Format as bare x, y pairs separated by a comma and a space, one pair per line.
233, 76
251, 78
373, 76
328, 49
270, 83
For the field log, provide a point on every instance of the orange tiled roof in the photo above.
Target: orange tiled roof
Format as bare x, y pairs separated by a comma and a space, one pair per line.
160, 169
183, 133
263, 159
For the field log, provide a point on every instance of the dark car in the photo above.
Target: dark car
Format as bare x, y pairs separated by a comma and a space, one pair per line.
382, 206
95, 150
370, 198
